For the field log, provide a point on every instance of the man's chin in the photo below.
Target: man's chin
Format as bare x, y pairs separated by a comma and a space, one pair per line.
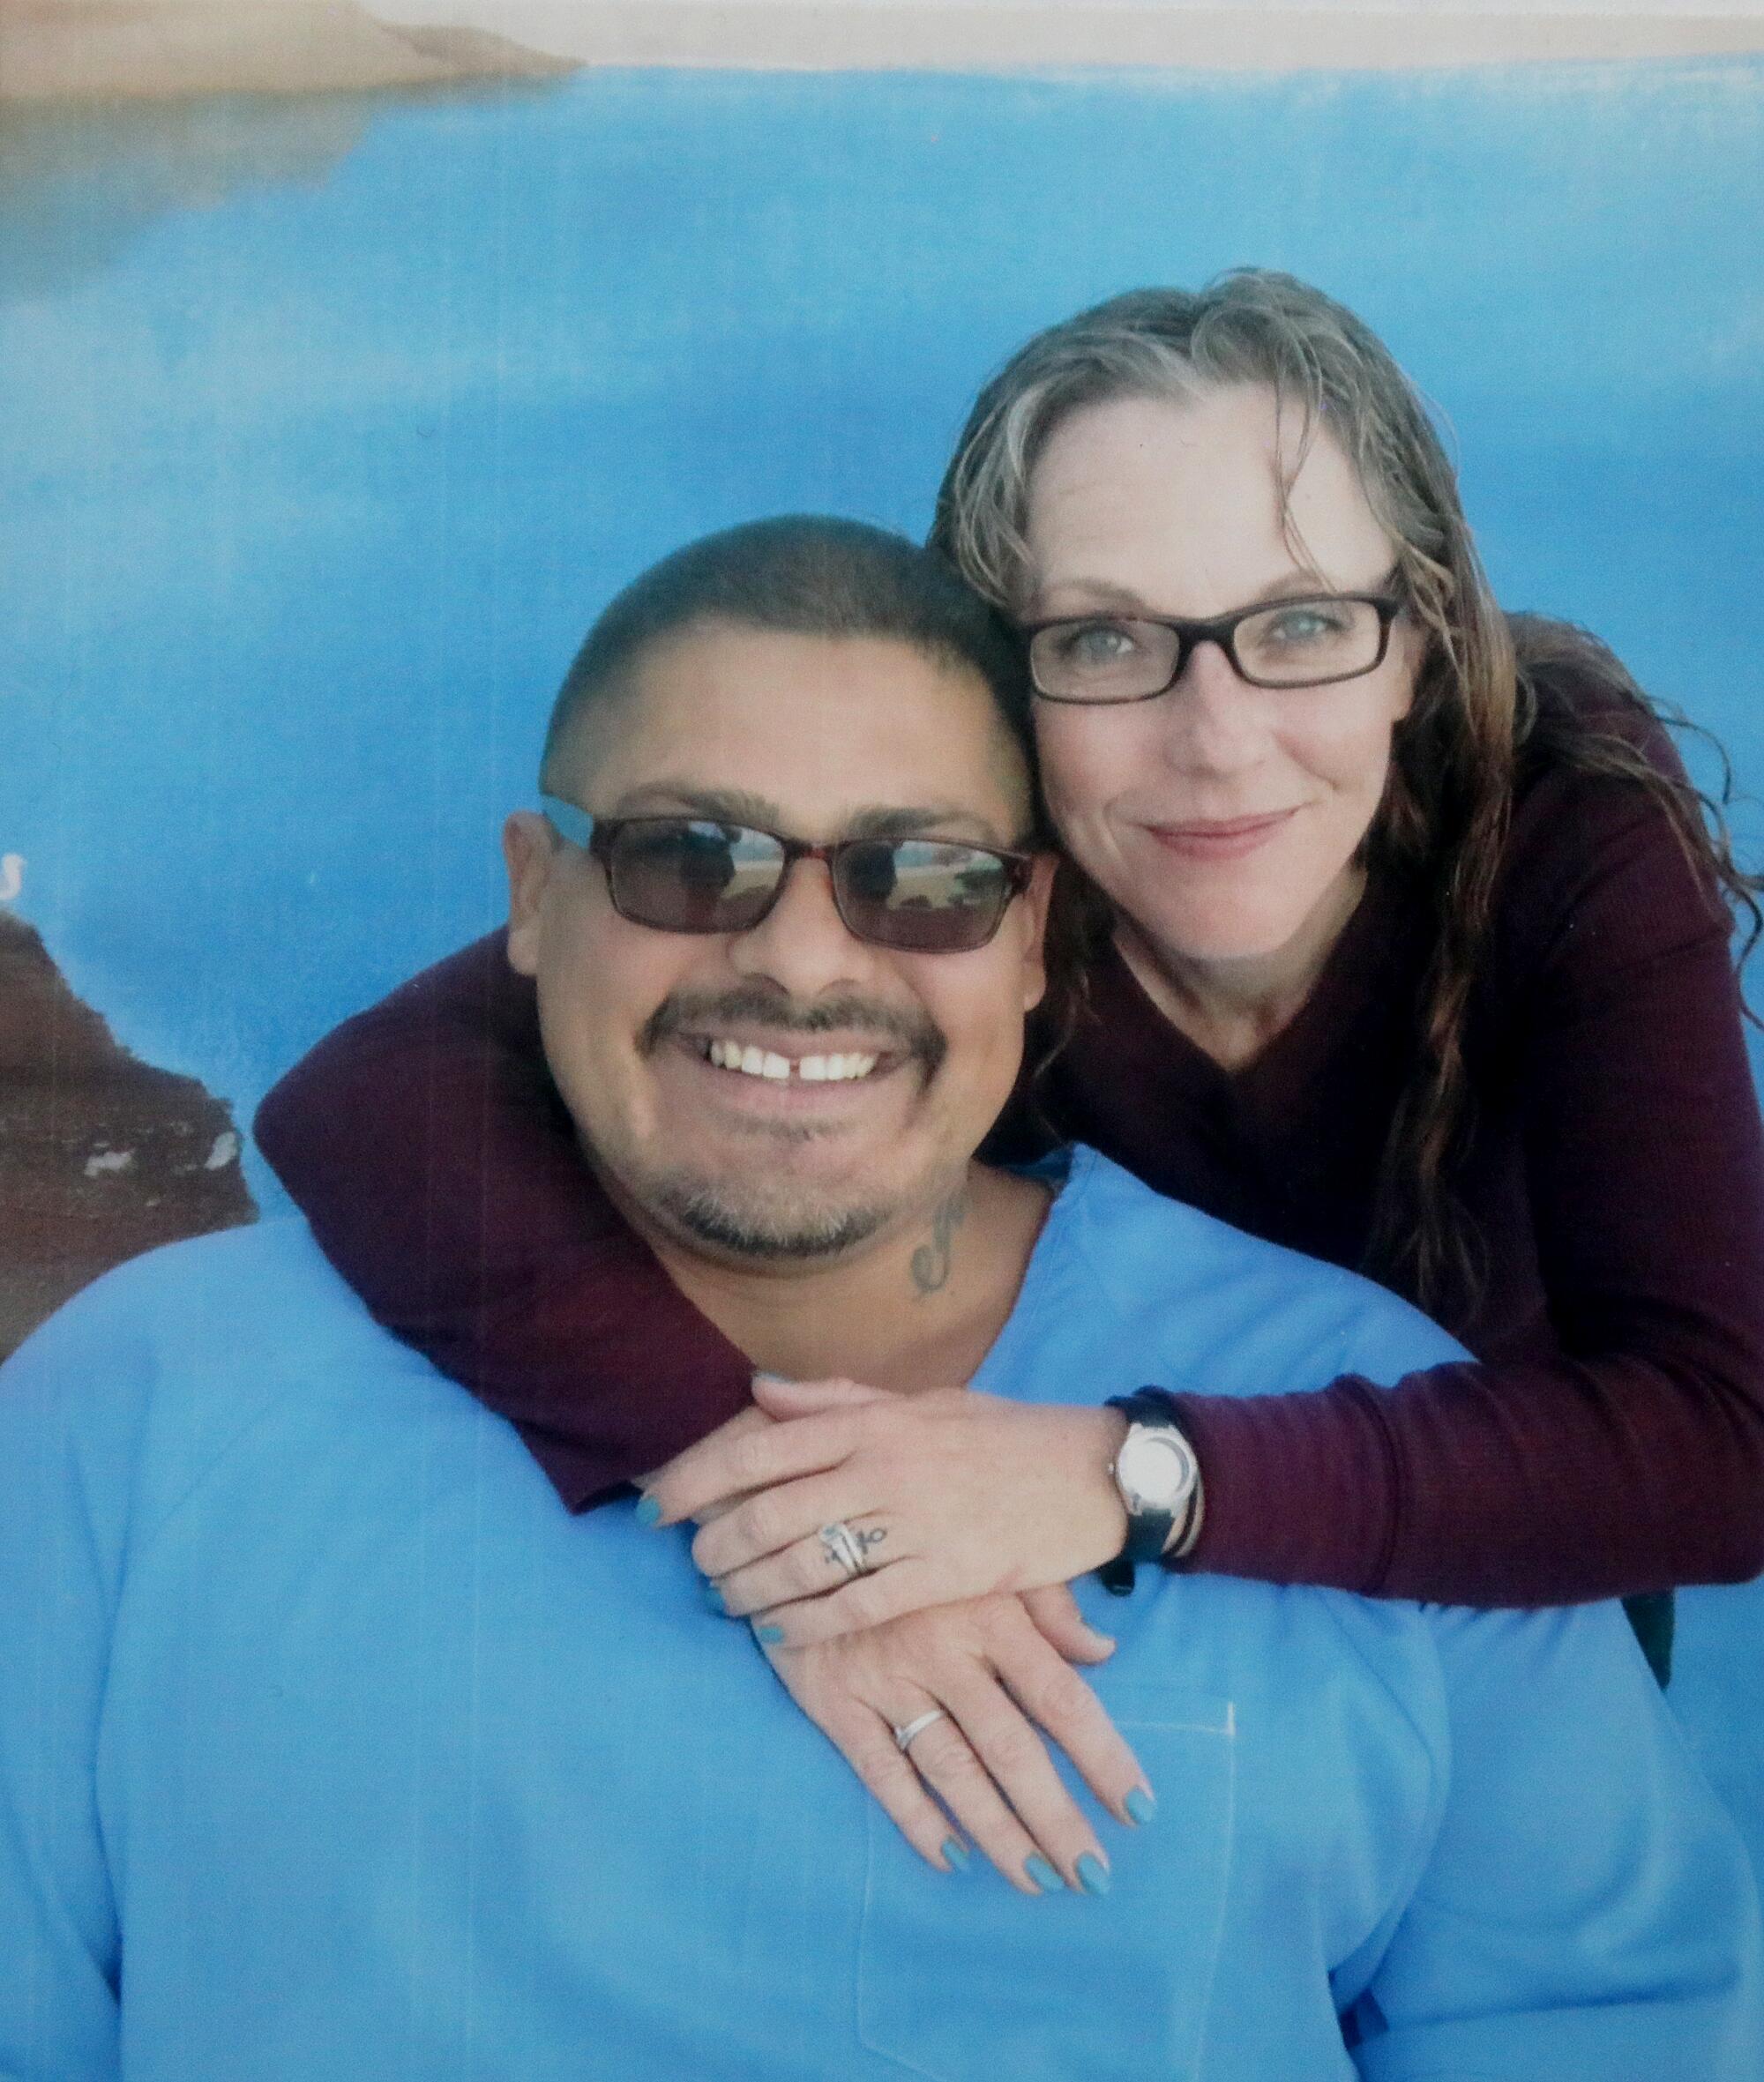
756, 1228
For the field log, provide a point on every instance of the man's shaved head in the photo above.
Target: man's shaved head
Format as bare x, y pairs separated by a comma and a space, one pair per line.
804, 575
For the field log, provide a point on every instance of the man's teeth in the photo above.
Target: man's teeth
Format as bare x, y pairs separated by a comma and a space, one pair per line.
811, 1070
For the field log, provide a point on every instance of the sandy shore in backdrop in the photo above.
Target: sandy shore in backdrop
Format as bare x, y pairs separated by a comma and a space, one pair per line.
874, 35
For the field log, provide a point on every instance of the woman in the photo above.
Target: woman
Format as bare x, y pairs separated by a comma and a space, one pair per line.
1409, 951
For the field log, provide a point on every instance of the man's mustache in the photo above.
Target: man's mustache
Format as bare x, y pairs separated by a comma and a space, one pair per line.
889, 1026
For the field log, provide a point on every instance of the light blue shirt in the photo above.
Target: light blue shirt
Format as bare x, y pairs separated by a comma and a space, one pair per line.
331, 1742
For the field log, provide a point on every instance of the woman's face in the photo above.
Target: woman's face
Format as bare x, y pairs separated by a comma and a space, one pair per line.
1221, 818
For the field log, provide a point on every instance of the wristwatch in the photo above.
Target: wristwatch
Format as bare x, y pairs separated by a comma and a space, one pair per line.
1159, 1480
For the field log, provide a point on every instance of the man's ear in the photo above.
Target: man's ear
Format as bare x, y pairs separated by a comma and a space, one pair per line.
529, 850
1036, 898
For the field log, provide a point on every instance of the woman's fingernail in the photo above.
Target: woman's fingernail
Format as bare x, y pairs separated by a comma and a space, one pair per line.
715, 1600
649, 1510
761, 1374
1044, 1874
1140, 1805
771, 1636
1093, 1874
956, 1852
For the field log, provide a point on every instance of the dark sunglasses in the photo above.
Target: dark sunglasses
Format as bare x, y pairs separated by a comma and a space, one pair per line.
698, 874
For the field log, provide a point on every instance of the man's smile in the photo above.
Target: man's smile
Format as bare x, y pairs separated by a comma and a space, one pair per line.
764, 1056
825, 1069
768, 1073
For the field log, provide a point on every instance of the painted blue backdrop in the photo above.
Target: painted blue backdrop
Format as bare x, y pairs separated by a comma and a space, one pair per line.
329, 424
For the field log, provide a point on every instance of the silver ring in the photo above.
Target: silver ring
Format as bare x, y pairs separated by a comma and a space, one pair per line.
904, 1737
843, 1548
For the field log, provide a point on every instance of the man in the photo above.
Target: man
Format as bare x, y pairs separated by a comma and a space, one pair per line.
331, 1746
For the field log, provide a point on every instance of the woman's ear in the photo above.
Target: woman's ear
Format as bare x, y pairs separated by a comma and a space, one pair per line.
529, 850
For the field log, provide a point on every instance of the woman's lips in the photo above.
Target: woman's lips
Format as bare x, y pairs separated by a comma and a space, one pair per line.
1219, 839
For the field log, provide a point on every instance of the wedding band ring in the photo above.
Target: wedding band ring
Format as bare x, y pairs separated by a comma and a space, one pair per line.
844, 1549
904, 1737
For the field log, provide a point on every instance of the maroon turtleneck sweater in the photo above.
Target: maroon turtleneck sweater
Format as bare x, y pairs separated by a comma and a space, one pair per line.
1609, 1438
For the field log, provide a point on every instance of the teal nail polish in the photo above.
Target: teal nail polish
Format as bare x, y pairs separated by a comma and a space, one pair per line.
1093, 1874
1141, 1806
770, 1636
956, 1852
1044, 1874
647, 1510
716, 1600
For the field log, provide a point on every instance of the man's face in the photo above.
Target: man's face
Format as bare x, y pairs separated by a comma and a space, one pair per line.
816, 738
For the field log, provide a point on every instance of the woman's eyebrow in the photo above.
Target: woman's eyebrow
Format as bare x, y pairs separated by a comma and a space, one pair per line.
1099, 591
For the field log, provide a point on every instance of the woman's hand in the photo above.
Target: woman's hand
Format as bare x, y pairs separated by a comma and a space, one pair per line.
948, 1494
997, 1666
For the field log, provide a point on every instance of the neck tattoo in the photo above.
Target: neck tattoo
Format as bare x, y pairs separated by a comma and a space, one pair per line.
931, 1261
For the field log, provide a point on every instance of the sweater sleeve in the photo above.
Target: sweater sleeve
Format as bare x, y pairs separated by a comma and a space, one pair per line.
1633, 1459
426, 1144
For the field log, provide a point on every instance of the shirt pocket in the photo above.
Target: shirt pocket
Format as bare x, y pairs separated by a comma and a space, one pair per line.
959, 1976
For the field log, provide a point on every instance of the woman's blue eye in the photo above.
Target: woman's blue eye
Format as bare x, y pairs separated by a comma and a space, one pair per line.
1302, 626
1098, 643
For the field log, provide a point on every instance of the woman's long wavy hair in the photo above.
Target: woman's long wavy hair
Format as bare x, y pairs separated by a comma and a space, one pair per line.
1477, 711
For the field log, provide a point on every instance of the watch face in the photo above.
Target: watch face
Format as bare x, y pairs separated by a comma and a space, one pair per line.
1158, 1467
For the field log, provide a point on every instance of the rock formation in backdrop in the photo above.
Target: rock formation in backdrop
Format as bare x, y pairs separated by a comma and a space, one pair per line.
103, 50
101, 1156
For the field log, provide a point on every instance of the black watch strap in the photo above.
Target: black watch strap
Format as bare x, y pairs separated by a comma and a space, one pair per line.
1148, 1532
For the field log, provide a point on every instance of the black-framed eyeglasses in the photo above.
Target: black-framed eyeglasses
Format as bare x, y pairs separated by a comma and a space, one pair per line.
1310, 641
698, 874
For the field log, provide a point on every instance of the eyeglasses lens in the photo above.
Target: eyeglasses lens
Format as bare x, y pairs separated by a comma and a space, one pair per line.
1303, 642
691, 877
921, 896
1112, 660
